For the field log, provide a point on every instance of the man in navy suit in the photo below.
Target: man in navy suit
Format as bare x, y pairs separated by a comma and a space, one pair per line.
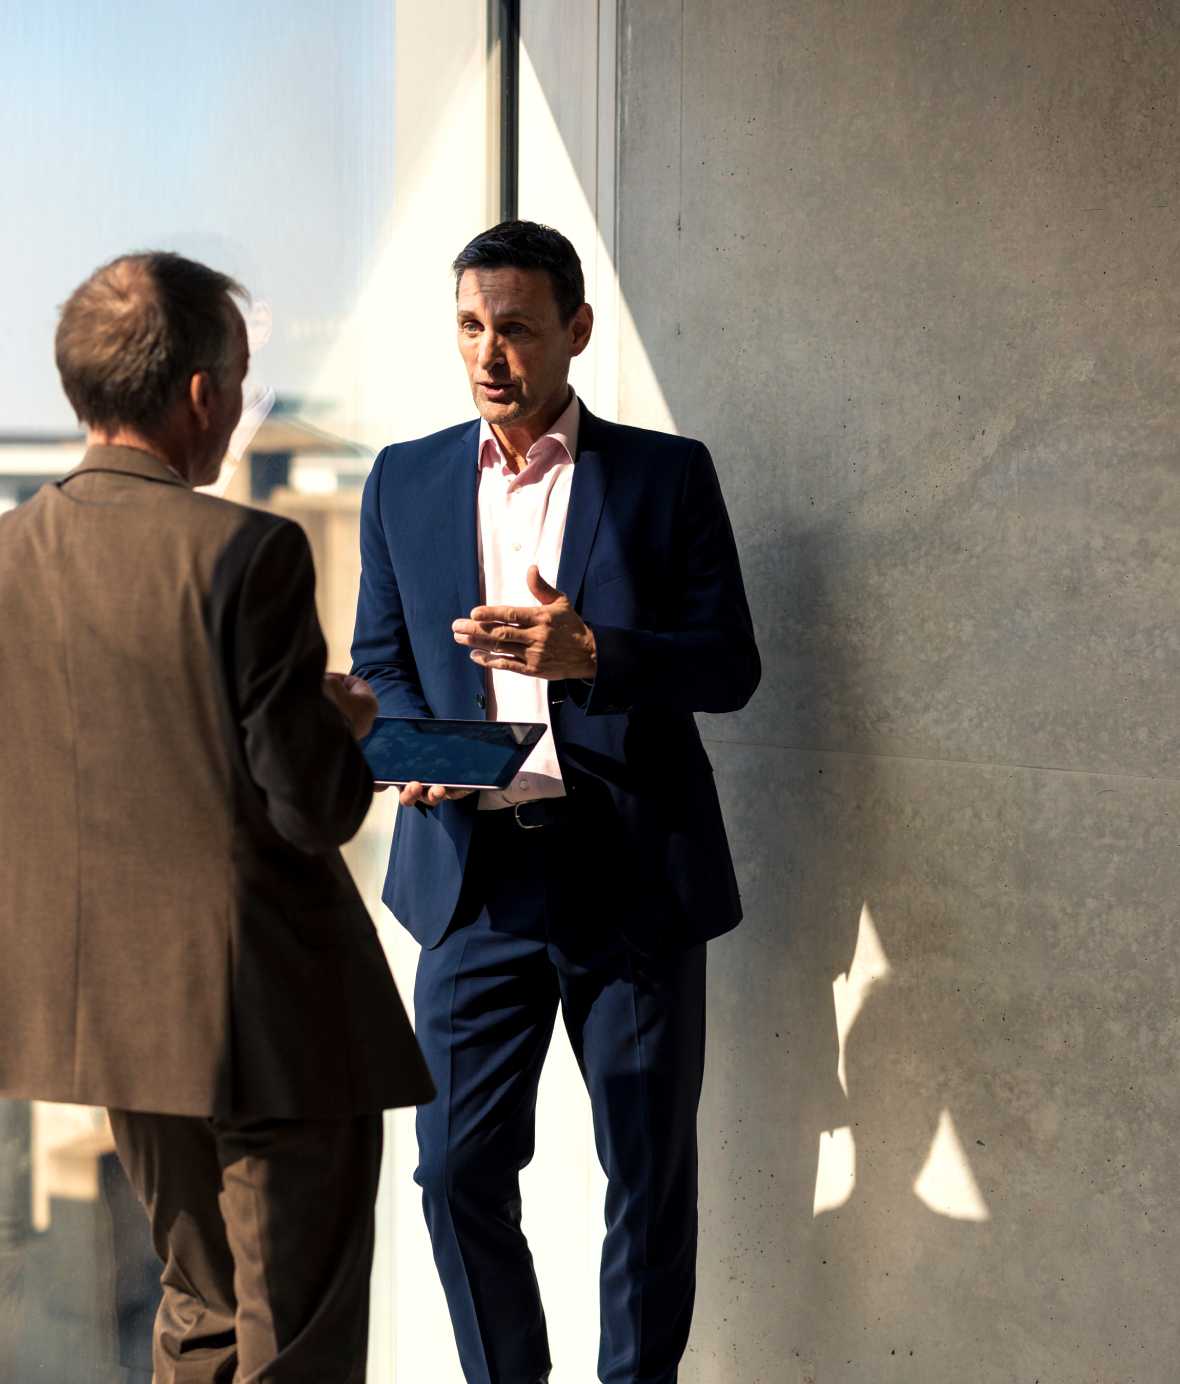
540, 564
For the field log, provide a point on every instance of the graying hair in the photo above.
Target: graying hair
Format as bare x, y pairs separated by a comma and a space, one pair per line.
132, 336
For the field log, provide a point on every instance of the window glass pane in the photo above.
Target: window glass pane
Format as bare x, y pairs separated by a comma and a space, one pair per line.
333, 158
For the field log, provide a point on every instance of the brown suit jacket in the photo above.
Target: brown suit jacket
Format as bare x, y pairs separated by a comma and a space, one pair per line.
178, 932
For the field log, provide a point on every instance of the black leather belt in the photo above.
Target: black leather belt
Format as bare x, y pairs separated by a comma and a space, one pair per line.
530, 816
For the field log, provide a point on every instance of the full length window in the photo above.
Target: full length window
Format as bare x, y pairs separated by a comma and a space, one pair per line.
330, 157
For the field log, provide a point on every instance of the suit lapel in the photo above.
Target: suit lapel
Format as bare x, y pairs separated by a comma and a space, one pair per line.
587, 494
446, 520
466, 491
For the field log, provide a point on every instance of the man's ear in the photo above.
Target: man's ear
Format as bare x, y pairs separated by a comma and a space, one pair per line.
581, 325
200, 397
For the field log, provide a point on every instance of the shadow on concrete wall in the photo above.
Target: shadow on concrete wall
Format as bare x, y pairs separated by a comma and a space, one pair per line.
907, 269
837, 1195
844, 1100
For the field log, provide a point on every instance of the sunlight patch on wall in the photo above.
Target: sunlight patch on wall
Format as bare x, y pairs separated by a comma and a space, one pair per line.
849, 992
562, 155
835, 1172
946, 1184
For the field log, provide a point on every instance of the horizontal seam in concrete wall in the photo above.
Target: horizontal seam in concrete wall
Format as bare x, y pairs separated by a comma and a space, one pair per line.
935, 759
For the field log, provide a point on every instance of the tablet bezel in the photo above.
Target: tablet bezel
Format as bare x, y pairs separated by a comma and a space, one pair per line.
535, 730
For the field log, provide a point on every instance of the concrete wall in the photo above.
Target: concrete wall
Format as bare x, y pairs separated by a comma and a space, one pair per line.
910, 267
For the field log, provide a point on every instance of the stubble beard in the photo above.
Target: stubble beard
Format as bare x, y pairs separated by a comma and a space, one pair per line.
502, 415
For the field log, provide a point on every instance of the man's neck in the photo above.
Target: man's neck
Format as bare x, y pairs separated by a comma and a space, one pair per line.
516, 441
128, 437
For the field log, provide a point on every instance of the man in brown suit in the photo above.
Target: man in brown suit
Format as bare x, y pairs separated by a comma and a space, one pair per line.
182, 942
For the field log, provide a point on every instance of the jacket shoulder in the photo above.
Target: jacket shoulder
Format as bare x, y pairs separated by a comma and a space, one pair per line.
204, 518
639, 442
418, 448
227, 522
215, 510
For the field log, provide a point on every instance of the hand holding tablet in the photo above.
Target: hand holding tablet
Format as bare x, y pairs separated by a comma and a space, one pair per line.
448, 753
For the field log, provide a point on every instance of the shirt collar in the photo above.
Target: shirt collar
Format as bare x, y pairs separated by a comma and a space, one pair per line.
563, 433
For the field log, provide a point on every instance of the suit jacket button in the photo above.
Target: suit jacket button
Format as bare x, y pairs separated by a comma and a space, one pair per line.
481, 701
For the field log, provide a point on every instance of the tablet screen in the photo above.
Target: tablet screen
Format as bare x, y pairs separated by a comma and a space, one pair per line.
457, 754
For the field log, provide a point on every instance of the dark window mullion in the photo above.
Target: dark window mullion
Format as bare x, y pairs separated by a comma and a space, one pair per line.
504, 35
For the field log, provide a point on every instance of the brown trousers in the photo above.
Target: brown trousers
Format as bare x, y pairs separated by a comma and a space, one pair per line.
265, 1228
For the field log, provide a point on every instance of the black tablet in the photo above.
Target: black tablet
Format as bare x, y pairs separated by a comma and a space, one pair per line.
455, 754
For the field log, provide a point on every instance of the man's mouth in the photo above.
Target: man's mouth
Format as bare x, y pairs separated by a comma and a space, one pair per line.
495, 391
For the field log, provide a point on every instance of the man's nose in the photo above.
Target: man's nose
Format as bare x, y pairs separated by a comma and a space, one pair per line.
490, 350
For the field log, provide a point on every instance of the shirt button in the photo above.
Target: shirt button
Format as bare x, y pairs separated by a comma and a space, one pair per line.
522, 783
481, 701
516, 547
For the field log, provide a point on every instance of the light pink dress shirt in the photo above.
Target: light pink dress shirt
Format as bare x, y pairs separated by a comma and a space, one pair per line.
521, 521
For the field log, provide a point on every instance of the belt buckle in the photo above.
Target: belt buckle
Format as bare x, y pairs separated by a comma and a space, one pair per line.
525, 826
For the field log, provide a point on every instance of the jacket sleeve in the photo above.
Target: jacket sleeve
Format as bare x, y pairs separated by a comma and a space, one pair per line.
706, 659
299, 749
381, 652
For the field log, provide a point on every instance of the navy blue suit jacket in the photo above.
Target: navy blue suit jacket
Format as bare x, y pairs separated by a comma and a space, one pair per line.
649, 562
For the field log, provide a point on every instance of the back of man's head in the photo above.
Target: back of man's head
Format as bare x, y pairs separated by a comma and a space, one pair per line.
132, 336
528, 245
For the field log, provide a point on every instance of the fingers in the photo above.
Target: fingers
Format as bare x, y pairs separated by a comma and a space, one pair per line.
421, 796
512, 665
350, 682
501, 615
522, 617
415, 795
517, 657
487, 635
540, 588
358, 686
515, 647
348, 691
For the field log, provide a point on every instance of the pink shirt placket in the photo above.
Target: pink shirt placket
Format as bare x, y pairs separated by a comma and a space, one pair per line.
521, 522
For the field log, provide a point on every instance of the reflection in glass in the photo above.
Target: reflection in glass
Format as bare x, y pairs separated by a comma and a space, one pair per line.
270, 157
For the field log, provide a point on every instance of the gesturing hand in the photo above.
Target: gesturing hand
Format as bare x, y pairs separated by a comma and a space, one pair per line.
548, 640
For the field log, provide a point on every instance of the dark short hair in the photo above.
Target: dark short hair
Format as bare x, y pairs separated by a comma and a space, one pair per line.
528, 245
131, 337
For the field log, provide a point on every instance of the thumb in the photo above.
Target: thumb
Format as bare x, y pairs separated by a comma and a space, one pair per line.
541, 589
